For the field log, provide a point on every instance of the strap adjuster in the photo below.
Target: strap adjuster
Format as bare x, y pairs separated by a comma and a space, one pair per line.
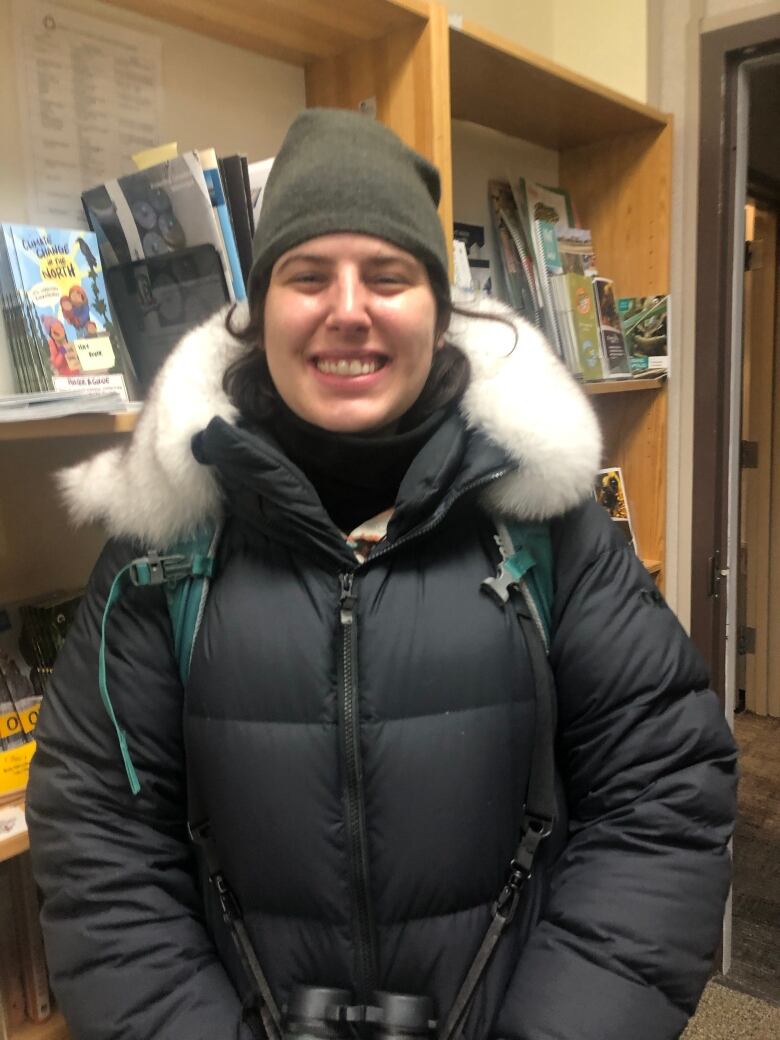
155, 569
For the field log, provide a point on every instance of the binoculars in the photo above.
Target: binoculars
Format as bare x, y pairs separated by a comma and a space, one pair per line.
322, 1013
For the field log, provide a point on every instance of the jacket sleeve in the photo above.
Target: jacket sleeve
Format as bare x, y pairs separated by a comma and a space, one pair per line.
129, 955
635, 900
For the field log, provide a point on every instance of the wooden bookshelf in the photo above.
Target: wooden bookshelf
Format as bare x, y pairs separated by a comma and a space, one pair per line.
613, 153
614, 157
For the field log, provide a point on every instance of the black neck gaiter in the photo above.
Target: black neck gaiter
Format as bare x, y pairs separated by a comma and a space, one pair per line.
356, 476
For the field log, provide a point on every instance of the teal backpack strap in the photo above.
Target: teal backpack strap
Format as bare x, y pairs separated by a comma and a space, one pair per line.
187, 597
527, 564
184, 570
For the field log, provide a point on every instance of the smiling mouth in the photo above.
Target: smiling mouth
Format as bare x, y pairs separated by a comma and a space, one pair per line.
349, 367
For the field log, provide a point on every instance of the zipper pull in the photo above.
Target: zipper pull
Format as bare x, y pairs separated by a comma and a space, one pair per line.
346, 599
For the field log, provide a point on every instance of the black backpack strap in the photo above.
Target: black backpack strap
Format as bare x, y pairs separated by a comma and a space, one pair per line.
263, 998
537, 819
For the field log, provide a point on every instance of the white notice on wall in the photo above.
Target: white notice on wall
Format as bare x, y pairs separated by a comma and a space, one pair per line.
90, 95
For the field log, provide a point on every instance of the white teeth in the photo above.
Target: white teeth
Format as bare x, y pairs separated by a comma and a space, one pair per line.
347, 368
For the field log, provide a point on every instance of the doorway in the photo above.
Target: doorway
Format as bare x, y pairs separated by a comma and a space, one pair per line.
736, 591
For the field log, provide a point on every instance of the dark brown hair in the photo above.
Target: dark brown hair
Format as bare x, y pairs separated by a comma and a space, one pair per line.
248, 383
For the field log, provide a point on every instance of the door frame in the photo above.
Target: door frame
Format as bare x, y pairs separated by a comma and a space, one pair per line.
723, 54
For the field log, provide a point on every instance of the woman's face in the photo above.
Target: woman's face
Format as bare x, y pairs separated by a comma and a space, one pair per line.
349, 328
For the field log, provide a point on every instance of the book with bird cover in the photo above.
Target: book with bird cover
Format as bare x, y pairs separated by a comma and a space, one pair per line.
57, 314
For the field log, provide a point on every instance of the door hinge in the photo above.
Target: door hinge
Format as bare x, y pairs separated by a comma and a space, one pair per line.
748, 454
754, 255
746, 640
717, 574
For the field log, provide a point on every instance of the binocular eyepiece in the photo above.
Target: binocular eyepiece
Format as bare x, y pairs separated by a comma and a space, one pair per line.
322, 1013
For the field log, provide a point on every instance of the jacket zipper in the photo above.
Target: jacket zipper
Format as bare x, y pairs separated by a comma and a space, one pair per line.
354, 803
418, 532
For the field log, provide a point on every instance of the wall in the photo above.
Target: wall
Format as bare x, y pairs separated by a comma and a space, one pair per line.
528, 22
606, 41
246, 106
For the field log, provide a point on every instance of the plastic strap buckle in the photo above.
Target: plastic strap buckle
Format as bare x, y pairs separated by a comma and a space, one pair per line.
506, 578
535, 830
227, 900
154, 569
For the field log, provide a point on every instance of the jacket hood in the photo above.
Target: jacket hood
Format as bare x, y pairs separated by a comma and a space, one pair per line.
520, 395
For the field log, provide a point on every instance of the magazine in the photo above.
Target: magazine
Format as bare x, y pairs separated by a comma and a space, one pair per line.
645, 321
610, 492
615, 359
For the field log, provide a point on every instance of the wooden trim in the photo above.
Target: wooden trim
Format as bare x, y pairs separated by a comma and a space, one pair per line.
624, 386
94, 425
721, 53
293, 31
756, 484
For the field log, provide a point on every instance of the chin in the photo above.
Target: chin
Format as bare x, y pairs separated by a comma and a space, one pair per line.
359, 424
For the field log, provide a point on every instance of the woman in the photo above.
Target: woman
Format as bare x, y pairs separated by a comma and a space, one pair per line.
358, 720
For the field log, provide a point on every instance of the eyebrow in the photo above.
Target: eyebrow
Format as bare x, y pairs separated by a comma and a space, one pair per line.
318, 258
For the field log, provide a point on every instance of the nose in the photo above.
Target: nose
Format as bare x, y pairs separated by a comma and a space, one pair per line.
349, 303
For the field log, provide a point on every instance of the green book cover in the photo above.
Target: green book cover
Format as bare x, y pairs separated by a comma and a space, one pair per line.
583, 310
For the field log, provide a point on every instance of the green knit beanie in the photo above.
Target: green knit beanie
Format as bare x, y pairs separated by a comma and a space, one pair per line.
343, 171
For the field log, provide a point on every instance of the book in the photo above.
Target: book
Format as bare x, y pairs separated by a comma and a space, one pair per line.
472, 238
62, 327
19, 704
563, 310
163, 256
32, 957
645, 322
575, 248
548, 265
258, 173
30, 639
514, 253
208, 161
50, 404
537, 202
610, 492
581, 301
12, 1011
232, 170
614, 352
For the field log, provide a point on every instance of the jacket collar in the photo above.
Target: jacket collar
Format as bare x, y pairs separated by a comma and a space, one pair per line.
520, 397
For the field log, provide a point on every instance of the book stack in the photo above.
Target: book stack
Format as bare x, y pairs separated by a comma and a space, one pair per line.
59, 328
175, 240
30, 639
25, 995
550, 277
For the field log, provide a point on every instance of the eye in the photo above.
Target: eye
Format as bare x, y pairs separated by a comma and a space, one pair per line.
390, 280
307, 278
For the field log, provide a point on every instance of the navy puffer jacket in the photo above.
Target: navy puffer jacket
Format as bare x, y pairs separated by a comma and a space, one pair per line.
363, 761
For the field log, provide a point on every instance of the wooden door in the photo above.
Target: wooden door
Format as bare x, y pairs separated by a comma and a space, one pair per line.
758, 392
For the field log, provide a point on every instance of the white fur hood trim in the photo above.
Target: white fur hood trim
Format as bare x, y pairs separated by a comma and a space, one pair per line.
154, 490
